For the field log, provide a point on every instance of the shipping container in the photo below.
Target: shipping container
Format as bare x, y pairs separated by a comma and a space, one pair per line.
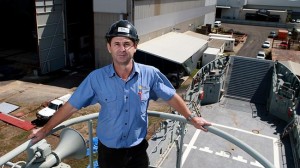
282, 34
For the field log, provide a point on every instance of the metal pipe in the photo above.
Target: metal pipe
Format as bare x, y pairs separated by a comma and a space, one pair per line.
13, 153
15, 165
245, 147
261, 159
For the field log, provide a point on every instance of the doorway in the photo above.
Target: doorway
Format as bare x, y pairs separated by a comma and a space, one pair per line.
45, 36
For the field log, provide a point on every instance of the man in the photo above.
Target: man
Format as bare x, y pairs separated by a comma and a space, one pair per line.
123, 89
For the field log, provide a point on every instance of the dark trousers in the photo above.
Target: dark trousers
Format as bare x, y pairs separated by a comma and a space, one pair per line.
134, 157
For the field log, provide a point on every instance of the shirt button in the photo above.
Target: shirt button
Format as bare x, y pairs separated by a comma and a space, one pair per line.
126, 110
125, 123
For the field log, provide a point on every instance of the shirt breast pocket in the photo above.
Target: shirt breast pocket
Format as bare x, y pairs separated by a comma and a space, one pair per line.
109, 105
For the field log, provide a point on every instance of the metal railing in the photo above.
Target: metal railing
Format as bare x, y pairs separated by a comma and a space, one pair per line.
5, 160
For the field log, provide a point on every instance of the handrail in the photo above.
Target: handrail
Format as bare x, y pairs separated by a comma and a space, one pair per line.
248, 149
26, 145
261, 159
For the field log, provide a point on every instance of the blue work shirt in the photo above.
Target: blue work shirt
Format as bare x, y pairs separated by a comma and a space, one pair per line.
123, 119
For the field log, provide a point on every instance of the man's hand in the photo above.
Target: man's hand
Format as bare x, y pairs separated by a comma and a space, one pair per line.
37, 135
200, 122
61, 115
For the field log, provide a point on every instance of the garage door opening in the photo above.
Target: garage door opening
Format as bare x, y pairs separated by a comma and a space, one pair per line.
18, 38
44, 36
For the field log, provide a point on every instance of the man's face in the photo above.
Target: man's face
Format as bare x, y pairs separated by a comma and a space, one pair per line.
122, 50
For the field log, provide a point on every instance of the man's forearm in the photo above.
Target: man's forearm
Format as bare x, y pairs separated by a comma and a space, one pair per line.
179, 105
60, 116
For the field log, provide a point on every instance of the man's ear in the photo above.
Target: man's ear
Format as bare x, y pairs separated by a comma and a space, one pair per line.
108, 47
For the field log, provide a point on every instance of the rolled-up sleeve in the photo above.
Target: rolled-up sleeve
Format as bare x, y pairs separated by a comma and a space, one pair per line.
84, 94
162, 87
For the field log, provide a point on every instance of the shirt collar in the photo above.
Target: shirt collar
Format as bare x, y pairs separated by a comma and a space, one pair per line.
112, 72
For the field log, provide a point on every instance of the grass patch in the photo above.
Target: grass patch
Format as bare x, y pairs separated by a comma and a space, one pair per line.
194, 72
20, 136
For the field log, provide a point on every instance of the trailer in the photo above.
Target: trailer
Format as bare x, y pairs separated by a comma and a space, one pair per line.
209, 55
220, 35
229, 42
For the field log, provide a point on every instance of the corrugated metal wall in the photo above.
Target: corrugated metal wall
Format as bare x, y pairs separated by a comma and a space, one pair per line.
287, 4
148, 8
153, 18
102, 21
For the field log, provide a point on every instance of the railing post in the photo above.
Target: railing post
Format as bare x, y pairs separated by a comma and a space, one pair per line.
179, 151
90, 126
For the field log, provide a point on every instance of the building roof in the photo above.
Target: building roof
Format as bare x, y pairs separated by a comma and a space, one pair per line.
293, 66
222, 38
278, 3
173, 46
224, 7
216, 43
198, 35
214, 51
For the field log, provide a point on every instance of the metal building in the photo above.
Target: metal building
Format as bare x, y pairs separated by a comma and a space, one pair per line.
266, 10
152, 19
47, 35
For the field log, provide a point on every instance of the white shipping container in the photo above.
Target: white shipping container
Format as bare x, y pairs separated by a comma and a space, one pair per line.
209, 55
